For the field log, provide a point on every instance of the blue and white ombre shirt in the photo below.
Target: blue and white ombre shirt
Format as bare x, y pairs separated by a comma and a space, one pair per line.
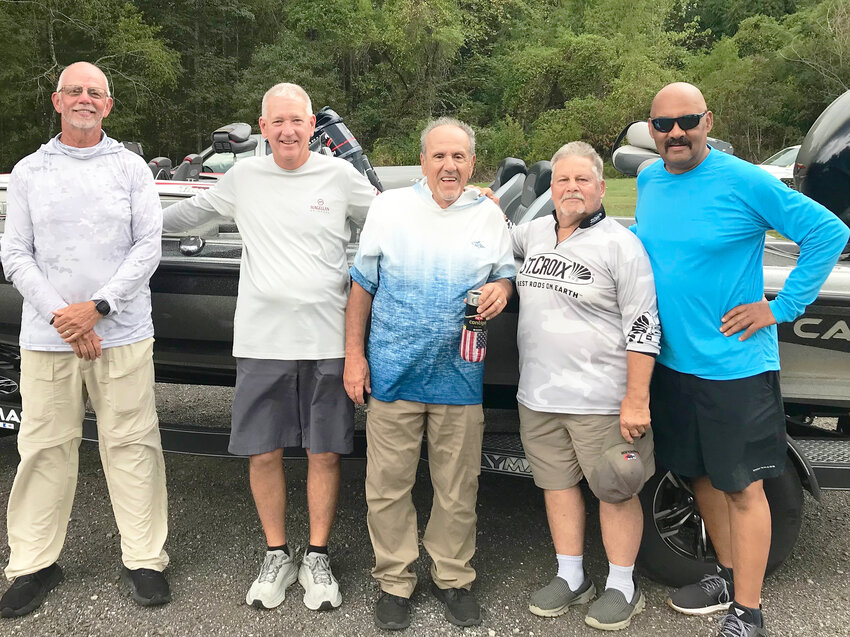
418, 261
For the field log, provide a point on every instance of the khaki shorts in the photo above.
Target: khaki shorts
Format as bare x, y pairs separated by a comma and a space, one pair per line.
563, 448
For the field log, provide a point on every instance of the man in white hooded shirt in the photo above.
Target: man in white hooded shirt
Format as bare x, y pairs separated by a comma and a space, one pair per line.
81, 241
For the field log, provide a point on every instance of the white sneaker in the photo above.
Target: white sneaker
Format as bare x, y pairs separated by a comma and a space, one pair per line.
269, 589
321, 588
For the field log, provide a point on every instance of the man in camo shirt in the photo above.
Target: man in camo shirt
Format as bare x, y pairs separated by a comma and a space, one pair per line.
81, 241
587, 336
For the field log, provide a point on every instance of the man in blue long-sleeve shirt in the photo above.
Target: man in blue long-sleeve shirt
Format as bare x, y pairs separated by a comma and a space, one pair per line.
716, 408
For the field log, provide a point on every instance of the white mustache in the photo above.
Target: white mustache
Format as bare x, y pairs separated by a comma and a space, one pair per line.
572, 195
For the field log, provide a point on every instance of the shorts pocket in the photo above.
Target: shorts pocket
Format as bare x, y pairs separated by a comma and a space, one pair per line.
130, 374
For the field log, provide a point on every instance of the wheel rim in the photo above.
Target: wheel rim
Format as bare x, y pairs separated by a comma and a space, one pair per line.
677, 519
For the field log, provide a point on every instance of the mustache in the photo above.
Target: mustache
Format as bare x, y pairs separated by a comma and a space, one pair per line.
677, 141
572, 195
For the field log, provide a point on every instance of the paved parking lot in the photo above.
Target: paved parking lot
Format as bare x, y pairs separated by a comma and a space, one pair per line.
216, 547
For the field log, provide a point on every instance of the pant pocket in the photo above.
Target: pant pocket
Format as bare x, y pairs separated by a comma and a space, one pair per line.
37, 395
130, 374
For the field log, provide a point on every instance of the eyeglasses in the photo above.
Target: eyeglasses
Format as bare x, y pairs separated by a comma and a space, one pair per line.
685, 122
93, 92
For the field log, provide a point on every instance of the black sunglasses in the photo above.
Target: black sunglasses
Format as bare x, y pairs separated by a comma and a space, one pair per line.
685, 122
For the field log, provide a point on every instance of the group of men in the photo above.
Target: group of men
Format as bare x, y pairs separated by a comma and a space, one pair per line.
82, 239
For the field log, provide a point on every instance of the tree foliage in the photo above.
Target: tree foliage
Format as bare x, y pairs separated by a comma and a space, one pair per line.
529, 75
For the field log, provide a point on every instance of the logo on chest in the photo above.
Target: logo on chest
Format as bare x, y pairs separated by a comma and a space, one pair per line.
554, 266
319, 206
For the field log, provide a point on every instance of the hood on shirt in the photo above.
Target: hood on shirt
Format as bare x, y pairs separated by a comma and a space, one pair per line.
470, 195
106, 146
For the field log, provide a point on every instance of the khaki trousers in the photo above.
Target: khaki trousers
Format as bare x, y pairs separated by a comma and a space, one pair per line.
54, 388
394, 439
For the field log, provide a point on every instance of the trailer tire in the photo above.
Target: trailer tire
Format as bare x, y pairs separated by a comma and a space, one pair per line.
675, 549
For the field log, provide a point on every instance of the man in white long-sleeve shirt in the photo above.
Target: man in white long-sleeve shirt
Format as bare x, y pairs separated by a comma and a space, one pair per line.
81, 241
293, 209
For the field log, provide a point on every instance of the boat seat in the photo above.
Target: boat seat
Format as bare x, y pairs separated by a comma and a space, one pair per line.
189, 169
160, 167
536, 183
508, 168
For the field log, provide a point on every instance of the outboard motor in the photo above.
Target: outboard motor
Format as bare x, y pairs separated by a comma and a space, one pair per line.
822, 170
535, 186
189, 169
160, 167
233, 138
510, 176
331, 133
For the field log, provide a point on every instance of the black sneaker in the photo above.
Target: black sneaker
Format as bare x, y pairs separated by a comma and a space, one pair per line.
147, 587
392, 612
462, 608
27, 592
711, 594
733, 626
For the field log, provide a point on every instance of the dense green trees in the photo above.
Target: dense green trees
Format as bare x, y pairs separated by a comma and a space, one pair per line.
528, 74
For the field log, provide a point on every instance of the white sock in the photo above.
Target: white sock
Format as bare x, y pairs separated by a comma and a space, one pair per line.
620, 578
571, 569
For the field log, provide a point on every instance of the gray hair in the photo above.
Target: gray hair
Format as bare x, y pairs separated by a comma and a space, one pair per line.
448, 121
285, 89
61, 79
579, 149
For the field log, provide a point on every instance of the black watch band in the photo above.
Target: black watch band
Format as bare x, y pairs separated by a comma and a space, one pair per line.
101, 306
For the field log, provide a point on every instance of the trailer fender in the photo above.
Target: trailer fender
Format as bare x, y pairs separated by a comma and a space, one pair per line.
804, 468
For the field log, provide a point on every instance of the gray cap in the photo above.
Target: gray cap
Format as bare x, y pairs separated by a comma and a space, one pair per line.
618, 475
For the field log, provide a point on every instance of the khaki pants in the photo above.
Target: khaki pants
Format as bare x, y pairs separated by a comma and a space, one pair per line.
394, 436
54, 388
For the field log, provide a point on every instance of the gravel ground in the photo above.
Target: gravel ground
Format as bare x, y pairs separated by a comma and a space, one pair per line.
216, 547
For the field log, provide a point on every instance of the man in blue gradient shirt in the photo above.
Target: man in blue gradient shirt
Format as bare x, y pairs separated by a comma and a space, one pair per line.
715, 402
422, 248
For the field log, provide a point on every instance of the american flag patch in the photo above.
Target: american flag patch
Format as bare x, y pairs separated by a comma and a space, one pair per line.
473, 345
630, 455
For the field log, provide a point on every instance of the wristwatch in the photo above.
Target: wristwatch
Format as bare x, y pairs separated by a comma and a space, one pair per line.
101, 306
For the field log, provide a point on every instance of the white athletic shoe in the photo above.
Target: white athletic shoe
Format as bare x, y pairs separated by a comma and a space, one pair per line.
278, 571
321, 589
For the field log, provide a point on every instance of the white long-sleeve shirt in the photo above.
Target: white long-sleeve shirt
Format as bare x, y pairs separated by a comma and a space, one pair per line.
295, 225
82, 224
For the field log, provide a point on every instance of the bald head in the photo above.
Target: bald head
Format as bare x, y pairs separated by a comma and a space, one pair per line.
87, 69
676, 96
679, 123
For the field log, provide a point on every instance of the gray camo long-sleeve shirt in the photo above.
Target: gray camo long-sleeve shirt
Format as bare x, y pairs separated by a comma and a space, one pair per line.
82, 224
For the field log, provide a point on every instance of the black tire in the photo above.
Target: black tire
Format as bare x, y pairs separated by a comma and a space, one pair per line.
675, 549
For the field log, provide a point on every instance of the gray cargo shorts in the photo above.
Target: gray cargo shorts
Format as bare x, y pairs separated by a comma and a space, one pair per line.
290, 404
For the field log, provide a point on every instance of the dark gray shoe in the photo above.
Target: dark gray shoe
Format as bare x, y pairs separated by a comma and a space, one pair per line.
462, 608
556, 597
28, 592
709, 595
392, 612
147, 587
733, 626
611, 611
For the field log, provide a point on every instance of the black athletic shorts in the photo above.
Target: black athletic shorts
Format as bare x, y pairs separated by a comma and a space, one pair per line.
733, 431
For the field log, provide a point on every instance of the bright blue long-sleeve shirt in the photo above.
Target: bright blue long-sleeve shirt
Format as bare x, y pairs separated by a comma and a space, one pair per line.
704, 231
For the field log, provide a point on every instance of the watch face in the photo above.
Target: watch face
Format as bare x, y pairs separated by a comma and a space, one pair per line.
102, 307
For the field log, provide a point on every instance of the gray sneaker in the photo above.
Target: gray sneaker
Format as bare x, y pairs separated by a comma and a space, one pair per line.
556, 597
709, 595
321, 588
611, 611
278, 572
732, 626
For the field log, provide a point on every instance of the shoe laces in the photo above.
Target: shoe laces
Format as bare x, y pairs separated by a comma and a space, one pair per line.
320, 568
731, 626
716, 586
270, 568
